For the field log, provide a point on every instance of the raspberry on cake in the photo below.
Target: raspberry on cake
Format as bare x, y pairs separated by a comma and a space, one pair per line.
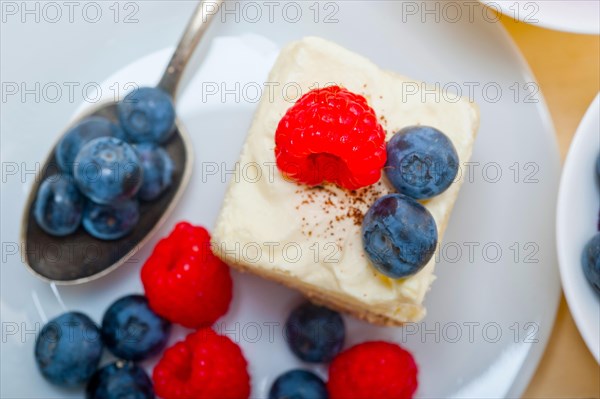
331, 135
307, 228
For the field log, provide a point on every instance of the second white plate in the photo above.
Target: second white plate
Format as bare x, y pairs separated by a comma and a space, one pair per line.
577, 222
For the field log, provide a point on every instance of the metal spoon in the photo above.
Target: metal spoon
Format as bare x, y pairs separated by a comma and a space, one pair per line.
79, 257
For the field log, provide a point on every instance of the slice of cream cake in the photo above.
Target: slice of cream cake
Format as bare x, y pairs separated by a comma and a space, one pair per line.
309, 238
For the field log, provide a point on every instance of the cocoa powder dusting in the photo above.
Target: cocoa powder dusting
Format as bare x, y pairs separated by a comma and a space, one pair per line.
337, 207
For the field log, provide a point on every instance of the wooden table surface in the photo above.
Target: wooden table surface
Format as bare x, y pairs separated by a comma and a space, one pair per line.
567, 68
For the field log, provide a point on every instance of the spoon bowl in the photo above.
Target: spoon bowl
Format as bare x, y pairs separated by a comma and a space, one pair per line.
80, 257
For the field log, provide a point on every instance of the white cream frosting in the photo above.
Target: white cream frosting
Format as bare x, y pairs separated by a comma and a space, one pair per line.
313, 234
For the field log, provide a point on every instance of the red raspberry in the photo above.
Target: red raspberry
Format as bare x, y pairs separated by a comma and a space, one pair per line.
373, 370
204, 365
184, 281
332, 135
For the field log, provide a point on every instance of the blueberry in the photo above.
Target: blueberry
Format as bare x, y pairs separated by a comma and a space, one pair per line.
132, 331
158, 170
58, 205
88, 129
298, 384
590, 260
314, 333
120, 380
108, 170
109, 222
421, 162
399, 235
147, 115
68, 349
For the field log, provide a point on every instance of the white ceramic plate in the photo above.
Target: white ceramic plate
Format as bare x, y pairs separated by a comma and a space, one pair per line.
490, 310
576, 16
576, 224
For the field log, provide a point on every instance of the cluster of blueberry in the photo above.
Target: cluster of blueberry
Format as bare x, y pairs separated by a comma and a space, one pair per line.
590, 259
106, 167
69, 347
371, 369
400, 234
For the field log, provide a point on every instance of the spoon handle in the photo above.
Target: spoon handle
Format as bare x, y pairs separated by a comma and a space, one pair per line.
197, 26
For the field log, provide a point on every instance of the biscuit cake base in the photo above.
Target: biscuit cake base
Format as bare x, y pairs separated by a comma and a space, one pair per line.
309, 238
